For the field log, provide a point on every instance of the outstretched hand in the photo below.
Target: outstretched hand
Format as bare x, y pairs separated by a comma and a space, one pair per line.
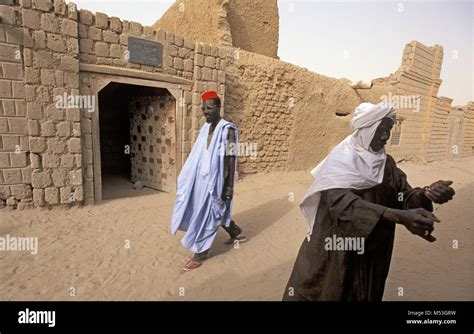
440, 192
418, 221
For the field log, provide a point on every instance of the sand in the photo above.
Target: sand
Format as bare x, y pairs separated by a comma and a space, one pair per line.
121, 249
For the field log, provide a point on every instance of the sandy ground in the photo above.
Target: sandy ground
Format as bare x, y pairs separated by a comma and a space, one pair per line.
86, 248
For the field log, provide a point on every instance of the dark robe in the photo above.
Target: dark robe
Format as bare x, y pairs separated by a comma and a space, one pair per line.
339, 275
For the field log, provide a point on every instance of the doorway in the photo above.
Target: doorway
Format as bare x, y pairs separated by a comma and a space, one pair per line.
137, 140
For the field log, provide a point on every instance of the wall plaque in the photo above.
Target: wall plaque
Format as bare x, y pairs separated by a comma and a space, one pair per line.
142, 51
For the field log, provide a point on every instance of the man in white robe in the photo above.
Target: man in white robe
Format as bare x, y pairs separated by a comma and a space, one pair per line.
204, 196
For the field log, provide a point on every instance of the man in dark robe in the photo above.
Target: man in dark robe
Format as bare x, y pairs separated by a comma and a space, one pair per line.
359, 194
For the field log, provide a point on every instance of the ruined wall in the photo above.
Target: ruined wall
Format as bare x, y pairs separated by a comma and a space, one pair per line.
247, 24
438, 140
419, 75
456, 125
288, 111
468, 131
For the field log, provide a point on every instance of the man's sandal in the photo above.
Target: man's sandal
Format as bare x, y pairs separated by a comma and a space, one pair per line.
192, 264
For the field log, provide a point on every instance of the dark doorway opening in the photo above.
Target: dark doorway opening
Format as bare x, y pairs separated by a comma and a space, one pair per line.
119, 144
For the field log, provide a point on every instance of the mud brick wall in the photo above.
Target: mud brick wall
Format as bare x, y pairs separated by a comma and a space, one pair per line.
51, 69
419, 75
294, 116
15, 171
209, 74
103, 41
247, 24
438, 141
456, 124
468, 142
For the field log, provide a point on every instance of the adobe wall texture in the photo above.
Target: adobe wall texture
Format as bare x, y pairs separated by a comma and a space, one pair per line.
247, 24
294, 116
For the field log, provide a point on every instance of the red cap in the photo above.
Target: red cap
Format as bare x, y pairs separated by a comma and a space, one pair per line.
209, 95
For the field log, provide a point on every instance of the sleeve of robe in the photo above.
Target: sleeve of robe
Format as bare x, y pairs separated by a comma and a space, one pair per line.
354, 216
357, 217
408, 197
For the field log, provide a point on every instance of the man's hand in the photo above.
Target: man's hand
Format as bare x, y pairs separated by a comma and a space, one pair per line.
418, 221
440, 192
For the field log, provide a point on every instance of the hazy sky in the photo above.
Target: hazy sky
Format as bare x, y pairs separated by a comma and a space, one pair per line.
358, 40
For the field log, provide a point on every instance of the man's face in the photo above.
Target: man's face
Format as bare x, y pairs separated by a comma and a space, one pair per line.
382, 134
211, 110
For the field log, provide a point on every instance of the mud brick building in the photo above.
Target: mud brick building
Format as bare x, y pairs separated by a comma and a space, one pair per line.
85, 97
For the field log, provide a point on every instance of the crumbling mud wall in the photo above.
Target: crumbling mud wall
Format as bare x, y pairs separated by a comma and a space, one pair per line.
428, 131
438, 140
456, 126
247, 24
468, 131
418, 81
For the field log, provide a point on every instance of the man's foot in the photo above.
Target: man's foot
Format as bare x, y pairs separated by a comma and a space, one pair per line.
239, 239
192, 264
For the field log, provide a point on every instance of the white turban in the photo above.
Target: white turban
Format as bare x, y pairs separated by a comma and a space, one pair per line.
352, 164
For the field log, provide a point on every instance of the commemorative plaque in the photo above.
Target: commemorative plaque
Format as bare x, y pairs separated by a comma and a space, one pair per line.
142, 51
